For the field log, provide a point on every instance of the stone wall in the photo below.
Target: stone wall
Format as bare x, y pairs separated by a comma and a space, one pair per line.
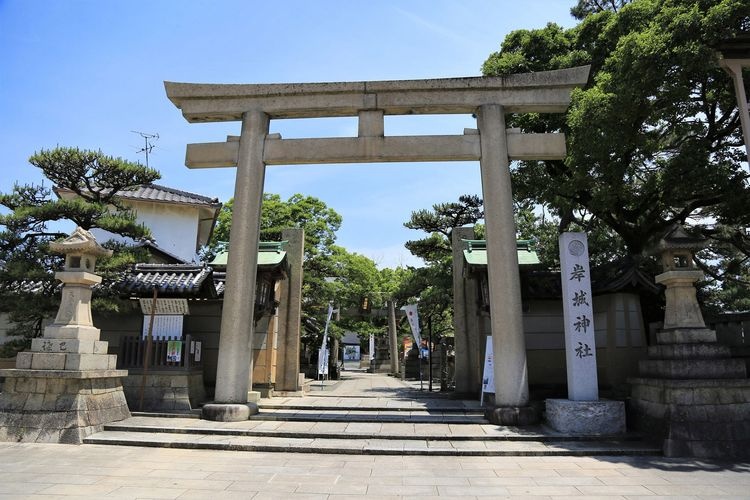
59, 407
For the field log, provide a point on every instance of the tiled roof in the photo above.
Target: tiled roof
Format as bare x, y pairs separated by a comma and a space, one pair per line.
476, 253
220, 279
169, 279
154, 192
30, 286
270, 254
621, 275
157, 193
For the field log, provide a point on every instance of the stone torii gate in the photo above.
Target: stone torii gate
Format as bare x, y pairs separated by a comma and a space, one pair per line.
492, 144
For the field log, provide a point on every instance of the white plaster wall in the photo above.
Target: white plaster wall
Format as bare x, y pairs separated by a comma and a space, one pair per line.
174, 228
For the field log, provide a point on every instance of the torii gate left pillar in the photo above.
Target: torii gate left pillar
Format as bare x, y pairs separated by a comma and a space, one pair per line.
492, 145
235, 343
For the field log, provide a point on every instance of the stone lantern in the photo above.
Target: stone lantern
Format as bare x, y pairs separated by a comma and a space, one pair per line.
683, 321
73, 321
67, 386
690, 392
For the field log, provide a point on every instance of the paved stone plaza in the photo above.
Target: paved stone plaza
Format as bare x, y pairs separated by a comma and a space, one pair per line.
70, 471
106, 471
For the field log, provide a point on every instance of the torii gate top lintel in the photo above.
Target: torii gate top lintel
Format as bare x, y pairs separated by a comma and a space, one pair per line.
544, 91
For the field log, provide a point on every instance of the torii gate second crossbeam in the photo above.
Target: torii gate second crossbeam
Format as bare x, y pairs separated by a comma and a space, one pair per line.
492, 144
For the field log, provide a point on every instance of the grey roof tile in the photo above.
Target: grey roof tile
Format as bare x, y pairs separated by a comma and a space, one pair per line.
169, 279
155, 192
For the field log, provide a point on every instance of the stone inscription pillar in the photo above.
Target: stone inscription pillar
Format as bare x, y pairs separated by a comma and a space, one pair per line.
508, 343
233, 370
290, 313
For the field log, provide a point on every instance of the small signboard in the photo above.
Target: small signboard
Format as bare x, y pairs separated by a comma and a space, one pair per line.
198, 347
168, 325
351, 353
174, 351
488, 374
164, 306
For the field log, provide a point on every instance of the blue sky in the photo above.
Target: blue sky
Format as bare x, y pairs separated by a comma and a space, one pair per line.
86, 73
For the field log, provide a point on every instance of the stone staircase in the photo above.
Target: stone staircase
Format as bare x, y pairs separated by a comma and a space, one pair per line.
364, 425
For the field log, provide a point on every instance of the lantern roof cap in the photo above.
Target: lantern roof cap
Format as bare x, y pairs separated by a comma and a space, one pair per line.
679, 238
80, 241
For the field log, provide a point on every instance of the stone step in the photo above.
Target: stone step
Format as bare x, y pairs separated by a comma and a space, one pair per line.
390, 415
355, 430
689, 351
372, 446
693, 369
337, 408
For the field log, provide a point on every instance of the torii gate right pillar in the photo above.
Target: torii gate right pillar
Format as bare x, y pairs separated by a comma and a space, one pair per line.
508, 343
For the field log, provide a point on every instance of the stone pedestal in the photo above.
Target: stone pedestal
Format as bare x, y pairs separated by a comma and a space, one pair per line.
165, 391
225, 412
513, 415
696, 397
601, 417
59, 406
65, 388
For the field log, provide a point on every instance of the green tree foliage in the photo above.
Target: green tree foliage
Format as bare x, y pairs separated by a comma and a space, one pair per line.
654, 138
88, 183
433, 284
331, 273
359, 289
307, 212
320, 224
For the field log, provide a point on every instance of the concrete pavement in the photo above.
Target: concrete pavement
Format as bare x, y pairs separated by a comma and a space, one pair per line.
44, 471
48, 471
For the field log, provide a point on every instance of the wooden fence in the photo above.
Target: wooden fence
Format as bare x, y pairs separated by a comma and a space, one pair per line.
167, 353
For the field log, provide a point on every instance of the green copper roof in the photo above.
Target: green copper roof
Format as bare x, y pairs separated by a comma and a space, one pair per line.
270, 253
476, 253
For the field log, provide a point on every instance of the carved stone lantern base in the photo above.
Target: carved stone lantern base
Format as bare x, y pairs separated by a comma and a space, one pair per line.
694, 395
59, 406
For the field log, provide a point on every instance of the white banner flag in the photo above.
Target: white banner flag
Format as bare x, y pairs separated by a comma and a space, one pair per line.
413, 316
323, 352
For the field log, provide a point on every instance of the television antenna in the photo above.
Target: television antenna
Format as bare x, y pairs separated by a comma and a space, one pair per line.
149, 140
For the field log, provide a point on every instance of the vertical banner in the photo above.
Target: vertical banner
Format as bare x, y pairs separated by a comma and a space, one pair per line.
371, 347
323, 362
413, 316
488, 374
580, 348
323, 352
